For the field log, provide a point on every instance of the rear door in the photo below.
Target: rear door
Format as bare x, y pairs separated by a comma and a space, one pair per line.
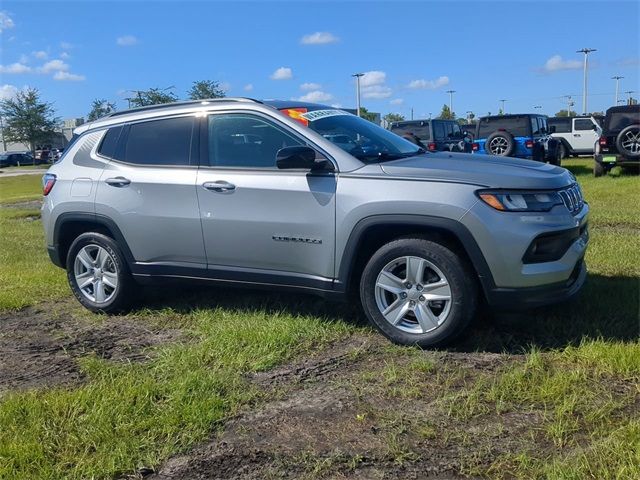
584, 137
149, 189
258, 221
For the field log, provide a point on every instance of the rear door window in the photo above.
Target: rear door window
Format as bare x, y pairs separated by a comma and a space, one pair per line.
563, 125
582, 124
165, 142
439, 131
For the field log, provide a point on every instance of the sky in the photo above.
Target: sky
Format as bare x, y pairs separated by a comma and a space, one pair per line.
411, 52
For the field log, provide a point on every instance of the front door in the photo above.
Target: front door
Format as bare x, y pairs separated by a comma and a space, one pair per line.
261, 222
584, 137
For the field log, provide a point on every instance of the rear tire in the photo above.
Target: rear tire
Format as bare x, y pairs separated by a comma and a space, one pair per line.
98, 274
598, 169
418, 292
500, 143
628, 141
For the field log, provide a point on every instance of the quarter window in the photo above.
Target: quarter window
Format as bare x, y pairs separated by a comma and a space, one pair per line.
583, 124
160, 142
110, 142
245, 141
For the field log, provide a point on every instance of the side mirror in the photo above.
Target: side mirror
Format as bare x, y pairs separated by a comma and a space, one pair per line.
300, 156
594, 128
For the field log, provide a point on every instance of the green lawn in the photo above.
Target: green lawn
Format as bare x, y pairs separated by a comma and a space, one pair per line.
128, 415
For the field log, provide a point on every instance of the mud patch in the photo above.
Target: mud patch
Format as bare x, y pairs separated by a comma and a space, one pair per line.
39, 348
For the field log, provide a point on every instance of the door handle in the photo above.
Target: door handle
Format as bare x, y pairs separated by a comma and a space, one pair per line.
117, 181
576, 134
219, 186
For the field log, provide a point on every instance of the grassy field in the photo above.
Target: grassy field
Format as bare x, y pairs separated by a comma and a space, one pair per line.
580, 374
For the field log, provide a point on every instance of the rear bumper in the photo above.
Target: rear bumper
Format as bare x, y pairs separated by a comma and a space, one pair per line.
529, 297
613, 159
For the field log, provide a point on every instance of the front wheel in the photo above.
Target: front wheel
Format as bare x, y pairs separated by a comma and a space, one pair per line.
98, 274
418, 292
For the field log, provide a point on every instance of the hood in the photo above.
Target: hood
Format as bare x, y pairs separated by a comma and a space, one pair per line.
483, 170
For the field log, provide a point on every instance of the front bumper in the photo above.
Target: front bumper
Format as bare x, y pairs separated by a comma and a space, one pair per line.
530, 297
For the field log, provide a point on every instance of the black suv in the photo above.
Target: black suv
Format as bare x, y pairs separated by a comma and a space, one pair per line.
620, 140
524, 136
435, 135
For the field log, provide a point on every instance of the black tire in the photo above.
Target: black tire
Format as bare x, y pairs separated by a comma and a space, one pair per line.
562, 151
461, 281
505, 144
598, 169
628, 141
121, 296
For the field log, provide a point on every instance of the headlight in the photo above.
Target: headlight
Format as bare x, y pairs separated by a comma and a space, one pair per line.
520, 201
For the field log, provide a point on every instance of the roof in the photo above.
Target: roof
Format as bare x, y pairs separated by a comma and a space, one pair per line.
624, 108
183, 104
282, 104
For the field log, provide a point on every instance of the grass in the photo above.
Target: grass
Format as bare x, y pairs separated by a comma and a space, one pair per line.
127, 416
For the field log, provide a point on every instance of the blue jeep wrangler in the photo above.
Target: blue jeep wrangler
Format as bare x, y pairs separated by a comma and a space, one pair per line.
522, 135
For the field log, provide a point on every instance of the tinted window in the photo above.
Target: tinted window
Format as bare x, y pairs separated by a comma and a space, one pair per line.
159, 142
110, 142
563, 125
535, 126
439, 131
419, 129
619, 120
516, 126
583, 124
244, 141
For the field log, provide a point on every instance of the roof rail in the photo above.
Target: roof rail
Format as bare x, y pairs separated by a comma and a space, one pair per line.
181, 104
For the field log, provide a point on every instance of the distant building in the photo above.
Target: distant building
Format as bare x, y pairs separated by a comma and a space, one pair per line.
60, 138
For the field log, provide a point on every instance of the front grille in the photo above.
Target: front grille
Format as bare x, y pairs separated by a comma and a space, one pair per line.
572, 198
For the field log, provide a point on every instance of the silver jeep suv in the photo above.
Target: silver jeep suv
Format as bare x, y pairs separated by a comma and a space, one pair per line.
237, 191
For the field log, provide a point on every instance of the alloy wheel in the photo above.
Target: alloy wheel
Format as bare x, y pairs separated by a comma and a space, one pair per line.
631, 142
96, 273
498, 145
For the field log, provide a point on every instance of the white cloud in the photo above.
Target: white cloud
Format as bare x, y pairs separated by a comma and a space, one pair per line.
40, 54
556, 63
397, 101
282, 73
429, 84
54, 66
248, 87
319, 38
65, 55
23, 59
6, 22
66, 45
374, 77
376, 92
126, 41
66, 76
8, 91
310, 86
15, 68
316, 96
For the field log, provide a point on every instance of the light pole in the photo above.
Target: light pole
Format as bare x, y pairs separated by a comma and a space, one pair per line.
629, 92
451, 92
586, 52
358, 75
569, 104
617, 79
502, 100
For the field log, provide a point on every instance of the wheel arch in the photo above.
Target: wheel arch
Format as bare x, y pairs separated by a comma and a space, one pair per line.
69, 226
371, 233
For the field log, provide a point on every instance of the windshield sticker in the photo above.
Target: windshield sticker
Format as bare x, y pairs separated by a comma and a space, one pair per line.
319, 114
296, 114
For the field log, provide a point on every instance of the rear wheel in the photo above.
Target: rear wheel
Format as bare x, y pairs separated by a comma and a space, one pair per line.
98, 274
628, 141
418, 292
598, 169
500, 143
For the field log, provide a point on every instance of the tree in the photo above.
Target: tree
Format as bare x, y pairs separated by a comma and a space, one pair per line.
204, 89
153, 96
27, 119
446, 113
100, 108
392, 117
565, 113
367, 115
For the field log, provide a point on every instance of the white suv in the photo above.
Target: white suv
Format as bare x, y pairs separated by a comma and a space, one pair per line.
577, 135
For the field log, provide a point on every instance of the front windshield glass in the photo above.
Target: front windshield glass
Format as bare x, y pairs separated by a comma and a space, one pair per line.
361, 138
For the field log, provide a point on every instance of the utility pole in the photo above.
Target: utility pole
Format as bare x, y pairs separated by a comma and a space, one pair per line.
411, 113
586, 52
358, 75
617, 79
4, 141
469, 112
569, 104
629, 92
451, 92
502, 100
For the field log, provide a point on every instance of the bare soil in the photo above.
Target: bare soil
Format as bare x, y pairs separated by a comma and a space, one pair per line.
40, 348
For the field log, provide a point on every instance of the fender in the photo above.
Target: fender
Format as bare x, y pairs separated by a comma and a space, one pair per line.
453, 227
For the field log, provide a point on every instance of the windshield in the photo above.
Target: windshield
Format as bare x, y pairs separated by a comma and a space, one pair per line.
361, 138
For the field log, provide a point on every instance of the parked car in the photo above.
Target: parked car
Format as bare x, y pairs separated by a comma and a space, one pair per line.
421, 239
437, 134
15, 159
523, 136
620, 140
43, 155
55, 154
577, 135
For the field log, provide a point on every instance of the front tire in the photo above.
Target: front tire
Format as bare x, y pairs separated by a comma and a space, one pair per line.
98, 273
418, 292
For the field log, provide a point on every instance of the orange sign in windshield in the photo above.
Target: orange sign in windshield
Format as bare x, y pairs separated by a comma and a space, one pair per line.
296, 114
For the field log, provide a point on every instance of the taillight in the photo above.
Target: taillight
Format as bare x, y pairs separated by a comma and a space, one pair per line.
432, 147
603, 141
475, 147
48, 181
528, 144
